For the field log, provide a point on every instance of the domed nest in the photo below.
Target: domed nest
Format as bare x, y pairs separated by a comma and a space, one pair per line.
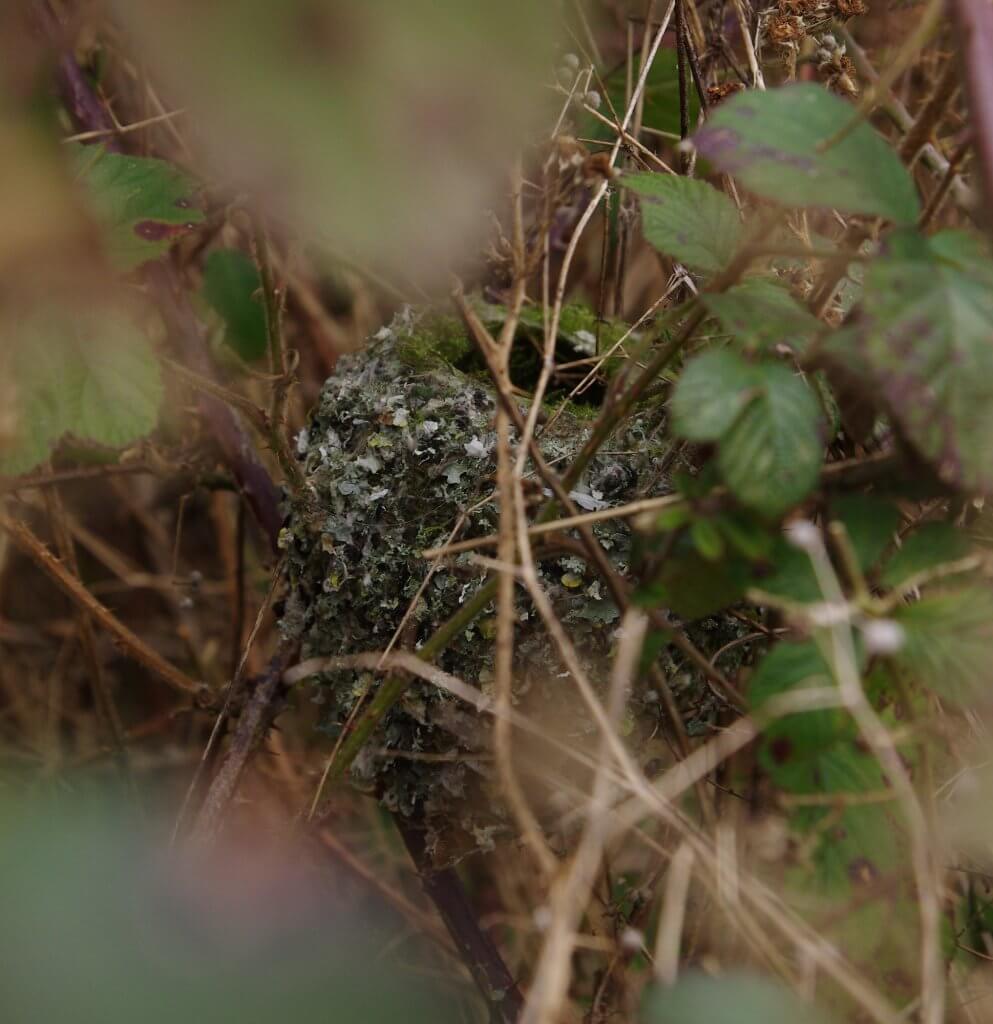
400, 450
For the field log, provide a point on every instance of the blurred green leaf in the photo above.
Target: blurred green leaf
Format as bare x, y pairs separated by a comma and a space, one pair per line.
707, 539
786, 668
769, 139
948, 643
91, 374
761, 314
930, 545
870, 524
924, 340
377, 127
733, 998
144, 205
693, 586
771, 457
687, 219
232, 287
711, 393
790, 575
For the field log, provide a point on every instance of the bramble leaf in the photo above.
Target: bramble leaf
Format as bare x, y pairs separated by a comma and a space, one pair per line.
870, 524
711, 393
769, 140
761, 314
687, 219
91, 374
926, 342
232, 287
143, 204
770, 458
930, 545
948, 642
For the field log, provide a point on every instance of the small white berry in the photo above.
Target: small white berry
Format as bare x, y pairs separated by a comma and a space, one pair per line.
803, 534
593, 99
632, 939
571, 61
883, 636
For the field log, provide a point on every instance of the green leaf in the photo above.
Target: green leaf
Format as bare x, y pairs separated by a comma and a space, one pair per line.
791, 575
91, 374
771, 456
687, 219
660, 109
948, 643
711, 393
761, 314
733, 998
769, 141
693, 587
929, 546
144, 205
786, 668
707, 539
860, 844
747, 534
926, 340
232, 287
870, 524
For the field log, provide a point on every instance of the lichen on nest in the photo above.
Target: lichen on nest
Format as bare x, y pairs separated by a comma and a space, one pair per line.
400, 451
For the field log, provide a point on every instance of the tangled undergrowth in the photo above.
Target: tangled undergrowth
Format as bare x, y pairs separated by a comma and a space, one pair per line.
539, 468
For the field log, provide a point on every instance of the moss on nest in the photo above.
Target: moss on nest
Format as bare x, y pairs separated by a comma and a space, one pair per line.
400, 448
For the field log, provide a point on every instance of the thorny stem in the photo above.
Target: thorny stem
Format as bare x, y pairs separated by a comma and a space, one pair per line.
272, 304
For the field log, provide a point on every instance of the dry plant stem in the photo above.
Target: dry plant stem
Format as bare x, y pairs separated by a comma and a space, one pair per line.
273, 307
552, 325
406, 661
507, 555
132, 645
267, 428
256, 718
944, 186
931, 114
903, 120
102, 696
926, 871
220, 724
909, 50
566, 523
619, 588
974, 20
571, 890
82, 103
758, 81
670, 930
61, 476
